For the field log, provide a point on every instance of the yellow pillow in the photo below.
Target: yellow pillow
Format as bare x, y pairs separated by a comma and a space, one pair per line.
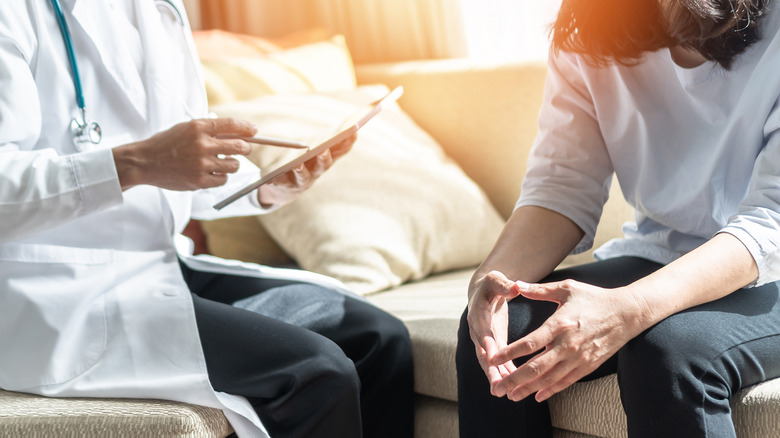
394, 209
252, 67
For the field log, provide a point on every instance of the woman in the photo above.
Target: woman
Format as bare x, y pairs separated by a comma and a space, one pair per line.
95, 299
679, 99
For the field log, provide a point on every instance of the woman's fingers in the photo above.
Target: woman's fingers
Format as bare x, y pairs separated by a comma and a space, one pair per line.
496, 283
573, 377
588, 327
542, 371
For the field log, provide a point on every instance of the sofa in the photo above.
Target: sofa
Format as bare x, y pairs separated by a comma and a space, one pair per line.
484, 118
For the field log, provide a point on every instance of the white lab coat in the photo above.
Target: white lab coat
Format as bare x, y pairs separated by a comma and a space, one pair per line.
92, 300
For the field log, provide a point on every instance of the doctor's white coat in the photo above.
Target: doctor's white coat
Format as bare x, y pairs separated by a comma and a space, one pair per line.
92, 300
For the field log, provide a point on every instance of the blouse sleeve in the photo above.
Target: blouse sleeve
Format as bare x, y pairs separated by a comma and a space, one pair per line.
569, 169
757, 224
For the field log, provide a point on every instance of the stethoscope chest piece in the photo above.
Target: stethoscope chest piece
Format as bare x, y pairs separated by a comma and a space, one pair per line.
85, 132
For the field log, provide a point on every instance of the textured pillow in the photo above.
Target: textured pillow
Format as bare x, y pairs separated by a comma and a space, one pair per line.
392, 210
240, 67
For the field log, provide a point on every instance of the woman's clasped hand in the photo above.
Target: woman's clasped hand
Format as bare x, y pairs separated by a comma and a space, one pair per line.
590, 325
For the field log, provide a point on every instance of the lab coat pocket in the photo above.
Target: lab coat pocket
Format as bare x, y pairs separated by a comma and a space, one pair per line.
52, 313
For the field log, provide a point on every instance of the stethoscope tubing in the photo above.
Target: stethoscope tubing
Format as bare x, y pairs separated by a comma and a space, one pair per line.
82, 130
65, 31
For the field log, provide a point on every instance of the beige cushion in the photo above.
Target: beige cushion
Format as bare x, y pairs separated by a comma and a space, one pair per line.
431, 310
392, 210
31, 416
241, 67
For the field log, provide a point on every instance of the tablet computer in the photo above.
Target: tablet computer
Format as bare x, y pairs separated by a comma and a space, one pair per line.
346, 130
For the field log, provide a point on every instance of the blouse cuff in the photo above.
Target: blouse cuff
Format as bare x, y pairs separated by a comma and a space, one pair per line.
755, 249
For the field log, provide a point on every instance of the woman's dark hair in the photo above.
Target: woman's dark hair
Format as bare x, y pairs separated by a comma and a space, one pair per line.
623, 30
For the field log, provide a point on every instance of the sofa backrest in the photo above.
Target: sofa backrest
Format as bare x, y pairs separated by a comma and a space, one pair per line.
485, 117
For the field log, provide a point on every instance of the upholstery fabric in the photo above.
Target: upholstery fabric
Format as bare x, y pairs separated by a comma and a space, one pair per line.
25, 415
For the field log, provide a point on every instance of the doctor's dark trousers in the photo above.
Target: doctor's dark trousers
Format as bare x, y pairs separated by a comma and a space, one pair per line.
675, 379
313, 361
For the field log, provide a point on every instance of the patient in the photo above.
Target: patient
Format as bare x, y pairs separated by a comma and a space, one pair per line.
680, 100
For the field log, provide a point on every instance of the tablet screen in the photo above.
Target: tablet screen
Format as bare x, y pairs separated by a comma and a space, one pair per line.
344, 131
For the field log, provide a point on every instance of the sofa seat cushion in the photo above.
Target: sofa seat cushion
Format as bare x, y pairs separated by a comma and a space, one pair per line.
35, 416
431, 310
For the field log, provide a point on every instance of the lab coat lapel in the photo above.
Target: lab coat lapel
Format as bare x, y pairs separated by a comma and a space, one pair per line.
166, 56
167, 64
91, 18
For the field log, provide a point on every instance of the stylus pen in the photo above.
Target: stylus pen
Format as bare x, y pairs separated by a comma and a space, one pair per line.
270, 141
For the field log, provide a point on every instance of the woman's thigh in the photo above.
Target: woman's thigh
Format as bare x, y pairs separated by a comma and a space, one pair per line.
711, 350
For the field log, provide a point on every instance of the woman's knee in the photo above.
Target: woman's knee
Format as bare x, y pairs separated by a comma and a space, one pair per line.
465, 352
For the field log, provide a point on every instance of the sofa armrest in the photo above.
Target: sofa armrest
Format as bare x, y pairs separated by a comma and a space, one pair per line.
483, 115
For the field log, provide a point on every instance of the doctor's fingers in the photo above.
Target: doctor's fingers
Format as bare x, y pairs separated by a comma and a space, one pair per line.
220, 165
342, 148
221, 147
325, 160
225, 126
319, 164
297, 179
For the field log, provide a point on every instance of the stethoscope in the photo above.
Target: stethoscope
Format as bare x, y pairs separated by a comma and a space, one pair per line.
82, 130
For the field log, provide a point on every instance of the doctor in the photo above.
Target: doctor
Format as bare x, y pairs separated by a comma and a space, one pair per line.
96, 301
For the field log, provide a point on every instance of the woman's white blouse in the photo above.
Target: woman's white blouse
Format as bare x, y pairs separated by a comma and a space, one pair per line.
696, 151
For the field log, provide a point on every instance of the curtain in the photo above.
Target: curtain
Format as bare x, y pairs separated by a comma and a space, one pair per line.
394, 30
375, 30
193, 12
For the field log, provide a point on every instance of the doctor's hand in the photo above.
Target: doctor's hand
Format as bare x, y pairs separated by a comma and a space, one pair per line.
590, 325
187, 156
488, 321
288, 186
